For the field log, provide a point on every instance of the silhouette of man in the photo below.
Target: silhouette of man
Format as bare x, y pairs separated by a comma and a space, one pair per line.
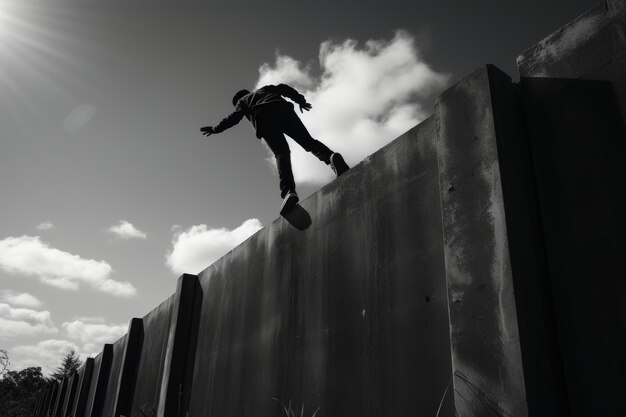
272, 116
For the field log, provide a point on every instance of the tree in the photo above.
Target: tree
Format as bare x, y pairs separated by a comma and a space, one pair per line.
4, 362
70, 364
19, 391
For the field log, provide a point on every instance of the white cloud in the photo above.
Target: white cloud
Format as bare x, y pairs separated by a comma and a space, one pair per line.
126, 230
29, 256
24, 322
286, 70
47, 354
93, 332
199, 246
47, 225
90, 319
20, 299
85, 335
364, 98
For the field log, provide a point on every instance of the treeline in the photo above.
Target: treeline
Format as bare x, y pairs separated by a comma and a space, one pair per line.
19, 389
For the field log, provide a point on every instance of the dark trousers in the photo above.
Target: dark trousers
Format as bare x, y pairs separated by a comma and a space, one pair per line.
277, 120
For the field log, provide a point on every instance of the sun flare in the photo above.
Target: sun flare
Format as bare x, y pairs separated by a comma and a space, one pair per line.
34, 55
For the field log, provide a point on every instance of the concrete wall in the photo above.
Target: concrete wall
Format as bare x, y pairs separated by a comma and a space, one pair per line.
70, 396
470, 267
486, 353
58, 404
573, 86
44, 411
152, 360
578, 168
590, 47
109, 403
82, 390
99, 382
349, 316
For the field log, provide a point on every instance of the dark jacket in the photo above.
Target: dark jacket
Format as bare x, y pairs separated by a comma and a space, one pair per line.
252, 105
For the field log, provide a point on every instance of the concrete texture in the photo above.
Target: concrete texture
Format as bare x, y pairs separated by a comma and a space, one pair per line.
542, 364
42, 402
573, 85
82, 391
578, 147
349, 316
53, 398
156, 325
486, 355
175, 390
38, 402
58, 402
109, 403
68, 403
46, 410
99, 382
125, 366
591, 47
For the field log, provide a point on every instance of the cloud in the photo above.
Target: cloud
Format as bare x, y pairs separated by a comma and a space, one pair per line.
365, 97
29, 256
126, 230
47, 354
47, 225
199, 246
93, 332
20, 299
91, 319
24, 322
86, 335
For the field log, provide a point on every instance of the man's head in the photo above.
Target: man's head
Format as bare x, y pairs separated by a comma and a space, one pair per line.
239, 94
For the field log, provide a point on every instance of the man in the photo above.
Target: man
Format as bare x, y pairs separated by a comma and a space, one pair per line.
272, 116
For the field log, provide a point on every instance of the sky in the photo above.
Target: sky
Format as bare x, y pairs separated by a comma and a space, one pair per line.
109, 192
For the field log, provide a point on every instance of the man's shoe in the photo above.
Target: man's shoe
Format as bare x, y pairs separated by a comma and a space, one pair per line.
338, 164
289, 202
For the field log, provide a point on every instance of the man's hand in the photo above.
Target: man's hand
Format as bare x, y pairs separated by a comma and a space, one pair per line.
305, 106
207, 130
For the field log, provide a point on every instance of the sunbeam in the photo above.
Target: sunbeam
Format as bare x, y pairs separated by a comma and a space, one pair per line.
34, 46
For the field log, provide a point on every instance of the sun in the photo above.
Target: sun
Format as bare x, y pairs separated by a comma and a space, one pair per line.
18, 23
10, 15
5, 14
31, 50
12, 24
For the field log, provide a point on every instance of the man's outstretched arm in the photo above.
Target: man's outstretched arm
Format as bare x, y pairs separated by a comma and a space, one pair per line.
228, 122
291, 93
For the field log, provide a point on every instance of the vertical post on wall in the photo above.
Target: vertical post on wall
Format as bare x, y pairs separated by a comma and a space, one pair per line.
102, 382
68, 404
82, 390
58, 403
484, 336
180, 354
130, 365
37, 405
45, 411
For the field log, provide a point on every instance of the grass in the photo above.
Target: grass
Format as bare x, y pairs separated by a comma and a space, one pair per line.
290, 412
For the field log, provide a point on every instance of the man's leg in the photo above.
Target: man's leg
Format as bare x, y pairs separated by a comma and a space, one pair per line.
295, 129
293, 126
278, 145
